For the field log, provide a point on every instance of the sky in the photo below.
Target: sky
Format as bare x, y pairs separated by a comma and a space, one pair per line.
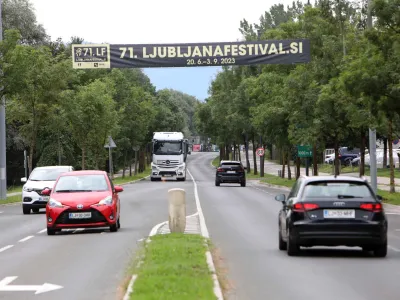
153, 22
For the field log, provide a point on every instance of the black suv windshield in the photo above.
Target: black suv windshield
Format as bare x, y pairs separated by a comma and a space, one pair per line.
167, 148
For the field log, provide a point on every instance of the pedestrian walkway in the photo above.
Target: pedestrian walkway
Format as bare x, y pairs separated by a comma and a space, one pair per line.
273, 168
192, 226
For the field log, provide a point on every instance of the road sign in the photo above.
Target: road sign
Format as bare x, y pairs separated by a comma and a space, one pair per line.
135, 148
38, 289
94, 56
110, 144
260, 151
304, 151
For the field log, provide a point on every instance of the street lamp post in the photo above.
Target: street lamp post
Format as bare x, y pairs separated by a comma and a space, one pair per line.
3, 162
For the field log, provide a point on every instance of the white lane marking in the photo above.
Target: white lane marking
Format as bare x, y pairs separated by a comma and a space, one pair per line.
393, 248
78, 230
6, 248
155, 229
203, 226
389, 213
25, 239
205, 233
43, 230
1, 212
261, 190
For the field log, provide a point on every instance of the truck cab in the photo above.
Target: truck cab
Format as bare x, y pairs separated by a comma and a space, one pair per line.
169, 153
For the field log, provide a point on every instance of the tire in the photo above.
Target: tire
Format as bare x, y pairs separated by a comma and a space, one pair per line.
35, 210
51, 231
119, 223
282, 243
243, 183
217, 183
292, 248
152, 179
26, 210
381, 250
114, 227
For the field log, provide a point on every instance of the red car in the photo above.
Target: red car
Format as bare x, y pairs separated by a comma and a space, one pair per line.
83, 199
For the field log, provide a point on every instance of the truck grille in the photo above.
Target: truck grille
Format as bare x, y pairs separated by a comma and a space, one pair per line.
168, 162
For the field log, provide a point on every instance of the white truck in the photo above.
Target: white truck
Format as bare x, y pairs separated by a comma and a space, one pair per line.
169, 153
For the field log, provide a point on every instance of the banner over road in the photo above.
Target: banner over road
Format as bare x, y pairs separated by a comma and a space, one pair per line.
190, 55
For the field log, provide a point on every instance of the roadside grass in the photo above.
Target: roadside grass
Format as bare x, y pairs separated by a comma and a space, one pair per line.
14, 189
385, 172
121, 180
11, 199
174, 267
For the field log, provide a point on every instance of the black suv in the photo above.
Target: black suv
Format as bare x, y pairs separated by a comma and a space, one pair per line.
332, 211
230, 171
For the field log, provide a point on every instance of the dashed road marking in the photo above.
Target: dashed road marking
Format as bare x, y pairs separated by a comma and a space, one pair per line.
25, 239
6, 248
393, 248
1, 212
78, 230
43, 230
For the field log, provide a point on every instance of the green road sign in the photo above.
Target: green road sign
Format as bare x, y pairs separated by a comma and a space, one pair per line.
304, 151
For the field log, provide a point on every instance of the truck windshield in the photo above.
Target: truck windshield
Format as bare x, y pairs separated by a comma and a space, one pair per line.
167, 148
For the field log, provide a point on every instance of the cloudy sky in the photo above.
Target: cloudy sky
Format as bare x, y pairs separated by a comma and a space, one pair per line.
158, 21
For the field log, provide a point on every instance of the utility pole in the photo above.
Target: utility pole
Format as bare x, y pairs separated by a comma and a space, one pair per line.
3, 162
261, 145
372, 131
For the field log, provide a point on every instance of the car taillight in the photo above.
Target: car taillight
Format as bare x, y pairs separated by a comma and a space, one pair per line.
220, 170
302, 207
374, 207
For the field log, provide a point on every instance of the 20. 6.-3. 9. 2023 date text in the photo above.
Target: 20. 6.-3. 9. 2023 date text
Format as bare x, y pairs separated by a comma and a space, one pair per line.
211, 61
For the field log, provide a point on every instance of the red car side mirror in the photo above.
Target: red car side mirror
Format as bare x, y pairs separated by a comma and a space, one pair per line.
118, 189
46, 192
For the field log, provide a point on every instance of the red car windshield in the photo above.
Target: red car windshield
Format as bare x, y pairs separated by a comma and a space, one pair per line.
81, 183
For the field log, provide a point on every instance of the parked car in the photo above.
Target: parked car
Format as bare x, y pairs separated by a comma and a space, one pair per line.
379, 158
39, 179
83, 199
332, 211
230, 171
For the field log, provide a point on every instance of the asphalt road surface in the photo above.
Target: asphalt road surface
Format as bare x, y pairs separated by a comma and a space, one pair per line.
88, 264
243, 224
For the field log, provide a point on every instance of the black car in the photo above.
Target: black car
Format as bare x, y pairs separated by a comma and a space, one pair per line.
332, 211
230, 171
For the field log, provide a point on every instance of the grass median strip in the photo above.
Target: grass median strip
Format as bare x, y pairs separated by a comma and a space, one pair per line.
11, 199
174, 268
126, 179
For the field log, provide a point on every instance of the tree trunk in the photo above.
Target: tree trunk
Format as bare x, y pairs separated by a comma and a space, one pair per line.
83, 157
130, 168
362, 154
246, 149
297, 167
254, 157
123, 171
315, 160
136, 162
234, 151
141, 161
283, 162
390, 142
289, 172
31, 152
385, 149
239, 154
337, 160
262, 163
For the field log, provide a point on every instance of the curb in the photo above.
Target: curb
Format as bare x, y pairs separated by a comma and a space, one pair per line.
279, 187
129, 182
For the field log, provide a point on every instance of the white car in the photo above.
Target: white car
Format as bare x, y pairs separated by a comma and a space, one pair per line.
39, 179
379, 158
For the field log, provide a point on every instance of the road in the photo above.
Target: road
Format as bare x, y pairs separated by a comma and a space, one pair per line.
243, 224
88, 264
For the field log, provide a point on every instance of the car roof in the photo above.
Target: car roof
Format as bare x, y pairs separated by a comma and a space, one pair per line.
85, 172
308, 179
53, 167
230, 161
